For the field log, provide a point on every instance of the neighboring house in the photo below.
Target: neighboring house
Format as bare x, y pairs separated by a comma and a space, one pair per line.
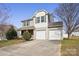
3, 29
41, 27
75, 33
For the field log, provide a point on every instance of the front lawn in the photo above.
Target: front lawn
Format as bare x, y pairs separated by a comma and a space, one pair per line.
10, 42
70, 47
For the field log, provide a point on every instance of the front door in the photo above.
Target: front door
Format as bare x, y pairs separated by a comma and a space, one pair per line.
30, 31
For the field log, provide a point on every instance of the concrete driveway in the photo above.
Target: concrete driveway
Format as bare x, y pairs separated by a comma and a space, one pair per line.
32, 48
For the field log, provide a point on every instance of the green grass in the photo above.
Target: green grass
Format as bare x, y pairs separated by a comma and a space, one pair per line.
10, 42
70, 47
70, 41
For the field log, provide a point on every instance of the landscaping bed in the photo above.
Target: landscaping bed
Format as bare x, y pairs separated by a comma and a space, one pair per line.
70, 47
10, 42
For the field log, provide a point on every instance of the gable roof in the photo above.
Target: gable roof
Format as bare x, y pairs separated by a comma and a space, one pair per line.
4, 27
55, 24
27, 20
40, 10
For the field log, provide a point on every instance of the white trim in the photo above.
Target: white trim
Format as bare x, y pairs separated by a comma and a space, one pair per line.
41, 10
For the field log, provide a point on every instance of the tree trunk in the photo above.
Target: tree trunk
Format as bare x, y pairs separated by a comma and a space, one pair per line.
68, 35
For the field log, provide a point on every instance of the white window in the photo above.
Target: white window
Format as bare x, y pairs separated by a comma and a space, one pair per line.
24, 23
37, 20
43, 19
28, 23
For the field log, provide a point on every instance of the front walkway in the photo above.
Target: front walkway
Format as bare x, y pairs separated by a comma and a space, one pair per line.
32, 48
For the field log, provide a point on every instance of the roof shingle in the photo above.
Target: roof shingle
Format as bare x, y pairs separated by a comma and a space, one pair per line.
55, 24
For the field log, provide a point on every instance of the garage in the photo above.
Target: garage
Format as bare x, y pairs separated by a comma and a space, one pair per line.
40, 35
55, 31
55, 34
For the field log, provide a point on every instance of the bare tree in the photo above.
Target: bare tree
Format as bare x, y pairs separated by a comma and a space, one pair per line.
4, 15
69, 13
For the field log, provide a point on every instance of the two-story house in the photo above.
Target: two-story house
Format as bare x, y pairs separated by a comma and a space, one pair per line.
41, 27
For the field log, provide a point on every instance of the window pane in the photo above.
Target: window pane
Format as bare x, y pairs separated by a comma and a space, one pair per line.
28, 23
38, 20
24, 24
42, 18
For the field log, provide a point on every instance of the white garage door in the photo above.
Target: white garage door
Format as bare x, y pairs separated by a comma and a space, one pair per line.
40, 35
54, 35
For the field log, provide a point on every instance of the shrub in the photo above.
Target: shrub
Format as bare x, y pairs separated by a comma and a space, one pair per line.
27, 36
11, 34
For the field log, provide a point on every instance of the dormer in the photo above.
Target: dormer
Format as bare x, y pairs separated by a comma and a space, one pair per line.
41, 19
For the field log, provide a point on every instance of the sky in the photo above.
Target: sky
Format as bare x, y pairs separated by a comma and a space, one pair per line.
24, 11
